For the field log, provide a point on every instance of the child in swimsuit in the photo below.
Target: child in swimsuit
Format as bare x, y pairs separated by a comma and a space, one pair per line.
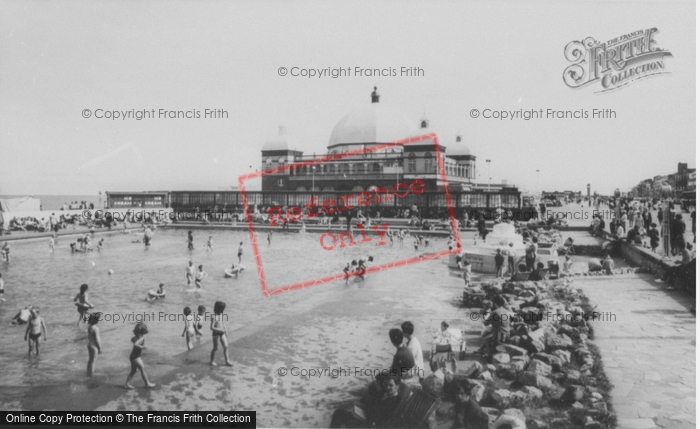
51, 244
189, 330
34, 330
209, 243
240, 252
2, 288
199, 320
5, 252
94, 345
99, 245
139, 341
189, 273
160, 293
200, 276
269, 237
190, 241
347, 270
218, 333
467, 273
81, 301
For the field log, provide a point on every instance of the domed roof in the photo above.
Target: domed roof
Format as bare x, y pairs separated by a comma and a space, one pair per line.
371, 123
280, 142
458, 148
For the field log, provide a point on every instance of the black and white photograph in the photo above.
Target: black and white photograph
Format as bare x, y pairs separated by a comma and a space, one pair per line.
364, 214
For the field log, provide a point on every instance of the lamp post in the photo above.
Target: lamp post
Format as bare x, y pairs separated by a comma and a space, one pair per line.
488, 164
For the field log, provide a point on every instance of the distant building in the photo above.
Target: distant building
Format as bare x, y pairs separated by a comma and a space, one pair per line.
370, 125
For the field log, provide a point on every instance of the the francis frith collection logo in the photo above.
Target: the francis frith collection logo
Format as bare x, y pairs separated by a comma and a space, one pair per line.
615, 63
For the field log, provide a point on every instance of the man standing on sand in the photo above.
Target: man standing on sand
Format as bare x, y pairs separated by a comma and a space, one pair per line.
414, 346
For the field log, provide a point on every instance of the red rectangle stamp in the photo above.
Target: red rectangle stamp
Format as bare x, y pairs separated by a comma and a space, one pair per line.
345, 204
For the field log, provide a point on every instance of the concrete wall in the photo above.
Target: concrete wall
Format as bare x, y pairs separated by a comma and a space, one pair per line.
117, 214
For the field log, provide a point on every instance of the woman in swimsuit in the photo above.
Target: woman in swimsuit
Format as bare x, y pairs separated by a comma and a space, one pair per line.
218, 333
189, 327
139, 341
94, 344
81, 301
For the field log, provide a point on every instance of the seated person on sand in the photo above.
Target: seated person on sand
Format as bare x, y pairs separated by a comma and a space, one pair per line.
522, 269
536, 274
608, 265
568, 263
158, 294
23, 316
468, 413
378, 406
595, 264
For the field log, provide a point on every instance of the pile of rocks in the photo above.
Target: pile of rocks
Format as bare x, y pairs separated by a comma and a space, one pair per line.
546, 371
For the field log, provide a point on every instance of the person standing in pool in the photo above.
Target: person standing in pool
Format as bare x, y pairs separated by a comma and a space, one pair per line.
199, 277
240, 252
139, 341
209, 243
218, 333
199, 320
81, 301
2, 289
269, 237
189, 273
190, 241
347, 271
189, 330
5, 252
147, 236
35, 328
51, 244
94, 344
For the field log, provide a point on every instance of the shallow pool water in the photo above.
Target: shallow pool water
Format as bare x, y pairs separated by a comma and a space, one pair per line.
51, 281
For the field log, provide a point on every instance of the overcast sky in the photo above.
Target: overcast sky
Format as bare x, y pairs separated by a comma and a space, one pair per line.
58, 58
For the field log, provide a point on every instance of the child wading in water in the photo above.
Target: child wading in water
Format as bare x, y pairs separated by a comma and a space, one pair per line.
189, 273
81, 301
199, 277
190, 328
218, 332
94, 345
35, 328
190, 241
209, 243
199, 320
139, 341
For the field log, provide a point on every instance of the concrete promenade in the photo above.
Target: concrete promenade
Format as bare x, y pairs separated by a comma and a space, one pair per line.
648, 350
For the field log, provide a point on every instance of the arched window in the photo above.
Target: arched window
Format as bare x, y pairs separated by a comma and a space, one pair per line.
346, 168
376, 168
357, 189
282, 160
268, 161
427, 166
411, 162
328, 189
360, 168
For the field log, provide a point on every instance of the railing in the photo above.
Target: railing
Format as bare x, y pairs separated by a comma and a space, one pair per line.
232, 200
